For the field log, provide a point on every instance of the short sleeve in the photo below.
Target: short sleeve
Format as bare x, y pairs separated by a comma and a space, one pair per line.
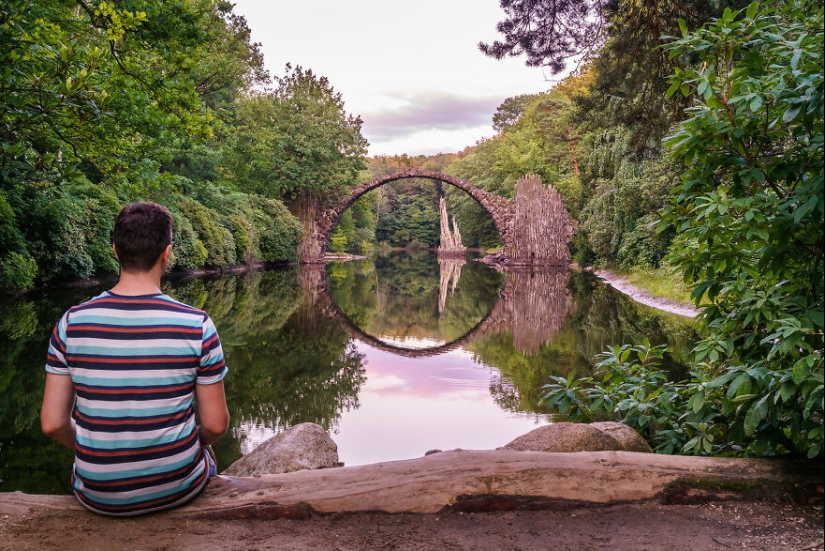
56, 356
212, 365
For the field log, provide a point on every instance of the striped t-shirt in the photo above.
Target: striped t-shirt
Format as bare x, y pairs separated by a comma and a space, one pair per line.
134, 362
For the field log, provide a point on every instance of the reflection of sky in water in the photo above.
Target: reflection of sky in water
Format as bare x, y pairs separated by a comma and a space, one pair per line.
412, 343
411, 405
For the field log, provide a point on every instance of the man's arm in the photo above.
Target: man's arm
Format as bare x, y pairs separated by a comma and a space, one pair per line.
212, 410
56, 413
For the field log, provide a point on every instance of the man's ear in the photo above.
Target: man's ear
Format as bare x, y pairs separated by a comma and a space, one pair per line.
114, 250
167, 252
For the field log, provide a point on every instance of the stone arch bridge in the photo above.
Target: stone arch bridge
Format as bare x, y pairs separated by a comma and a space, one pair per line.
534, 226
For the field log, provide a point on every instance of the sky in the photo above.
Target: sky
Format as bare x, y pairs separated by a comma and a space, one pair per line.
411, 70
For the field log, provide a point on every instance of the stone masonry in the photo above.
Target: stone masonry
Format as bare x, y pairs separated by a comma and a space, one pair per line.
534, 227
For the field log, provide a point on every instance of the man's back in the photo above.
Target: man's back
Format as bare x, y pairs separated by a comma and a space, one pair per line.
134, 362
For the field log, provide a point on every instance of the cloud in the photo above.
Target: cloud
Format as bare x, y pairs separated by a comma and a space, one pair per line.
429, 111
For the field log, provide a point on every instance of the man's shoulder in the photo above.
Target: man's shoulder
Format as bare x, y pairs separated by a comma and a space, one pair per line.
159, 302
91, 303
182, 306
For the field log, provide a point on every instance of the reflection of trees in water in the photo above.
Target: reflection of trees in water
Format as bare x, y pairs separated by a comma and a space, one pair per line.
398, 295
599, 316
287, 363
29, 461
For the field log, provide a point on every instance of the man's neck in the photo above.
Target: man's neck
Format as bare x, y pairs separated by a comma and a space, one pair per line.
138, 283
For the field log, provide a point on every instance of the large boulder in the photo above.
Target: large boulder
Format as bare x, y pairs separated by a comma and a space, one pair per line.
579, 437
304, 446
627, 437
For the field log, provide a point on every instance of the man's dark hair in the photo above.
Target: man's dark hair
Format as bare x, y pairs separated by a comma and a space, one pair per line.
142, 232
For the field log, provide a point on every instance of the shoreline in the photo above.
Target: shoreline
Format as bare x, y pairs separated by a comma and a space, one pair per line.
644, 297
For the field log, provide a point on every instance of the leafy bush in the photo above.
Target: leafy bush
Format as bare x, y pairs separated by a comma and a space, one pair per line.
188, 253
635, 391
749, 216
280, 232
204, 222
17, 271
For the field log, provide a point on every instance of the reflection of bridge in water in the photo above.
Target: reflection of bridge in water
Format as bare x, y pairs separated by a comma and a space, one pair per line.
532, 303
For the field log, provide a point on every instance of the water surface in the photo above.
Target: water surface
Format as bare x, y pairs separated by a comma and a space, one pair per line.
393, 356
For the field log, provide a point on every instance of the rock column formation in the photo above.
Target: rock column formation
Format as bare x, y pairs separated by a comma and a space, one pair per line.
450, 240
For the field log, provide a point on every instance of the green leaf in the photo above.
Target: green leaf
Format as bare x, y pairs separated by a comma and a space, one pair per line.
791, 112
800, 212
752, 9
756, 103
698, 401
707, 445
755, 415
672, 88
683, 27
786, 391
800, 371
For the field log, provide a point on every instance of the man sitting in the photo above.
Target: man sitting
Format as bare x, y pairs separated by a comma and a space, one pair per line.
123, 374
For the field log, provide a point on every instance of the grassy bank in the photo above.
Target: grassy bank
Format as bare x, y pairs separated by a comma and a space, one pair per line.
659, 282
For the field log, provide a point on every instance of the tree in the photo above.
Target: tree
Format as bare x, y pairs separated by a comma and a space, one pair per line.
548, 32
622, 38
508, 113
296, 144
107, 102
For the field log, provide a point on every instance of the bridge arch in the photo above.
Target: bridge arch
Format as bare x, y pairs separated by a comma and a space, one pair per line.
316, 239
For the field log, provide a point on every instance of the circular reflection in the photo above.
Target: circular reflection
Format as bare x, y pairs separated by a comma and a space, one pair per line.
413, 304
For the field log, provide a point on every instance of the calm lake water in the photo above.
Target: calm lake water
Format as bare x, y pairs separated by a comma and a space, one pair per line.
393, 356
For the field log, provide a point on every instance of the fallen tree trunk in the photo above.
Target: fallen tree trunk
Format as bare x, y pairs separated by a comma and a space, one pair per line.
486, 480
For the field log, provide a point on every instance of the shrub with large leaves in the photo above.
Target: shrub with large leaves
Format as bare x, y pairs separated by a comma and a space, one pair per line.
749, 217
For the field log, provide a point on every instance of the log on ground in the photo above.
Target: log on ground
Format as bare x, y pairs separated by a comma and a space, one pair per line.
485, 480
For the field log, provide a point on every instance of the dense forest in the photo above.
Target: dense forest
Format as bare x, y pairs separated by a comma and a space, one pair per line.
104, 103
689, 136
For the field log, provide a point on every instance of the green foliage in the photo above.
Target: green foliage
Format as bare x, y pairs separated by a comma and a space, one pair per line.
337, 240
279, 232
112, 82
358, 223
477, 168
208, 230
749, 212
296, 141
619, 221
126, 99
17, 271
188, 252
630, 387
232, 228
409, 213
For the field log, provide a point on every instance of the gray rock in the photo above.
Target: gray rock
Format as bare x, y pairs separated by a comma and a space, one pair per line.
627, 437
304, 446
565, 437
